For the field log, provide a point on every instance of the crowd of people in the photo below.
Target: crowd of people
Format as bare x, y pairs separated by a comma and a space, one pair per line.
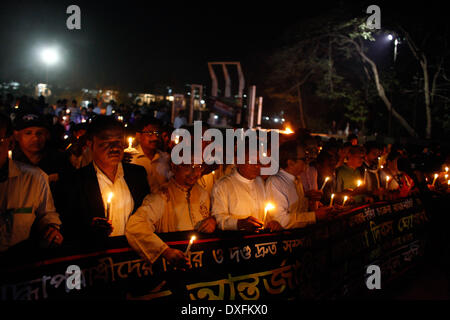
86, 182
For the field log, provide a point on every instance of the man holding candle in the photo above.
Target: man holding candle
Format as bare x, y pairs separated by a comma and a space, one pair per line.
31, 216
285, 191
91, 186
348, 175
180, 205
238, 198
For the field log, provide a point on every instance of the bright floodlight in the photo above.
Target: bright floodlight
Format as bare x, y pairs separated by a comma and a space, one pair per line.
390, 37
49, 56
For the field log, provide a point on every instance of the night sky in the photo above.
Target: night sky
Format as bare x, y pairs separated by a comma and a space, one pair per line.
145, 46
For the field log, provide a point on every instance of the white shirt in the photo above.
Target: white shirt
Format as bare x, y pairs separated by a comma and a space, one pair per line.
122, 202
234, 197
25, 199
158, 168
289, 211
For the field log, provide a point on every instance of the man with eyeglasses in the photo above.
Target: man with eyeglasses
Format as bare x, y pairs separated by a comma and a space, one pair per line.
285, 191
105, 182
27, 211
180, 205
149, 155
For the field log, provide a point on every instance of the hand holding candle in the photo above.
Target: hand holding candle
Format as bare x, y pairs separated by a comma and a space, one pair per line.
324, 183
190, 244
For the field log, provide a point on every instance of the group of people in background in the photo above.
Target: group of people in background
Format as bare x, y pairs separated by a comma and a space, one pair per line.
88, 182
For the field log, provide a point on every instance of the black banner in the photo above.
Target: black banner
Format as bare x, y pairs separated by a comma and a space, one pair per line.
325, 260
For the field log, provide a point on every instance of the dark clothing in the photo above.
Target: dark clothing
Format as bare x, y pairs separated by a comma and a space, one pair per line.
84, 199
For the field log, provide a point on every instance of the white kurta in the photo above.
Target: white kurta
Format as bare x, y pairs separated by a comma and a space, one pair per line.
172, 209
290, 209
122, 202
234, 197
158, 168
25, 199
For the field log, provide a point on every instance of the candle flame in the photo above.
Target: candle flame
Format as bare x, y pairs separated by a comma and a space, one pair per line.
345, 198
192, 239
359, 183
269, 206
436, 175
448, 182
327, 178
446, 169
110, 197
381, 166
387, 178
177, 139
332, 195
130, 142
446, 176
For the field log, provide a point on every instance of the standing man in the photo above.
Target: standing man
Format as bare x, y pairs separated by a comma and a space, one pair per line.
285, 191
238, 199
26, 203
155, 161
371, 167
106, 175
180, 205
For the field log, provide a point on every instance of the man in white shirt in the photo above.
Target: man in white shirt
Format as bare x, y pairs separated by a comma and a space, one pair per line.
180, 205
26, 202
106, 177
285, 191
155, 162
238, 199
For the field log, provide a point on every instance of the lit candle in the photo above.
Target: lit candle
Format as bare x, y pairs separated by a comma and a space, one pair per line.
387, 181
177, 139
213, 172
359, 183
446, 176
268, 207
324, 183
130, 142
108, 206
446, 169
381, 166
190, 244
345, 200
448, 183
10, 154
435, 177
331, 201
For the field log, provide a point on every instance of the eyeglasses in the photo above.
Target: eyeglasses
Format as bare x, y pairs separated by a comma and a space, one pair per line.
151, 133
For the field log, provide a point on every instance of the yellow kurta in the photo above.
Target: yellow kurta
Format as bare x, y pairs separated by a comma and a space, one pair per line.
172, 209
